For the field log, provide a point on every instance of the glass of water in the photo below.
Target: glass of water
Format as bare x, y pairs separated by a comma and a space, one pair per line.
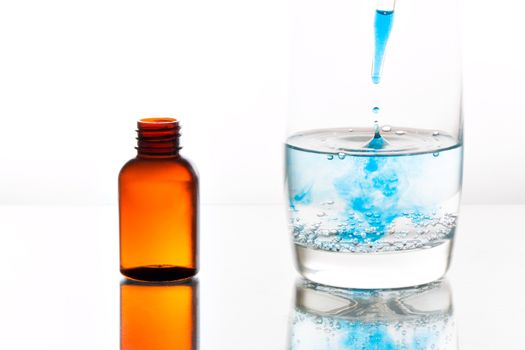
374, 148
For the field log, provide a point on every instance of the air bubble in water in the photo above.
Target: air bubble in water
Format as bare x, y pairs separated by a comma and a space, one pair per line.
400, 132
386, 128
321, 214
330, 156
435, 154
375, 110
435, 133
341, 155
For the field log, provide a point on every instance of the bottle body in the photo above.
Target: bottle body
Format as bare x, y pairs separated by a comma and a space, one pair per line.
158, 209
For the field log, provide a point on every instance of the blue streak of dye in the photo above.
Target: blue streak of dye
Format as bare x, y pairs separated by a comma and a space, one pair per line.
383, 27
304, 196
380, 181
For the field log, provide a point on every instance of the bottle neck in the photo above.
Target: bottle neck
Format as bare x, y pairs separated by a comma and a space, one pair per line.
158, 137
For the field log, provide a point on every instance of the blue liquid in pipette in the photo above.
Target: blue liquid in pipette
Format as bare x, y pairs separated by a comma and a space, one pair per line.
383, 26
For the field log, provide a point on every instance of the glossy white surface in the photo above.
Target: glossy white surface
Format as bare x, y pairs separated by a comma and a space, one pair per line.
60, 280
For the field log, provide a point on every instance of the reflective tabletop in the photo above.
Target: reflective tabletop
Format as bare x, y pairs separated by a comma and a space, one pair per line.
61, 289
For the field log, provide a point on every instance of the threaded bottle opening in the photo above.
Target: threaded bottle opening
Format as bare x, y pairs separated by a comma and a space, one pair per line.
158, 136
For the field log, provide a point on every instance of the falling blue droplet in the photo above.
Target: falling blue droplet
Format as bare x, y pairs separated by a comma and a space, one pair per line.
375, 110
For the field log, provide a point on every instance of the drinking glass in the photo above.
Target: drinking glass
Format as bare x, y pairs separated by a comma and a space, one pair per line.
374, 147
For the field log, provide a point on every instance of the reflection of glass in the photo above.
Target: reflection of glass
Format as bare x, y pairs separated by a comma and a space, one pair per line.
158, 316
416, 318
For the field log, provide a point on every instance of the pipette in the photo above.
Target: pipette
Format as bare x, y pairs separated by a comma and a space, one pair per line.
384, 17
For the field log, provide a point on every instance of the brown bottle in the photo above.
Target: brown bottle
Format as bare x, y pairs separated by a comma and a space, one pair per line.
158, 205
160, 316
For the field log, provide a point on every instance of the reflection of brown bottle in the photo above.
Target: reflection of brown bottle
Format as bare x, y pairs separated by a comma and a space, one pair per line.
158, 203
158, 316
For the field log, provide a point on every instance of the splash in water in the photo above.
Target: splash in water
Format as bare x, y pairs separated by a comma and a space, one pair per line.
377, 142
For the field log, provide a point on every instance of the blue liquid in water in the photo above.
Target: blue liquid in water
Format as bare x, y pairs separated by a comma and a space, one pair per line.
383, 27
373, 199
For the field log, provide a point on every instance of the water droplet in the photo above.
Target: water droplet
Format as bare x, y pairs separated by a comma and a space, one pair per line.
386, 128
330, 156
435, 154
400, 132
321, 214
375, 110
341, 155
350, 130
435, 133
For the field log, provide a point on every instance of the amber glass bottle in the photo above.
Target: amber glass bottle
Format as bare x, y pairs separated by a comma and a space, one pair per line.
158, 207
159, 316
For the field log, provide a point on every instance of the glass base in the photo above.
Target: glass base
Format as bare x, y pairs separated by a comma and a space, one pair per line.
374, 270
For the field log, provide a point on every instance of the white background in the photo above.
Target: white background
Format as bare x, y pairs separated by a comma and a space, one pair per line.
76, 75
